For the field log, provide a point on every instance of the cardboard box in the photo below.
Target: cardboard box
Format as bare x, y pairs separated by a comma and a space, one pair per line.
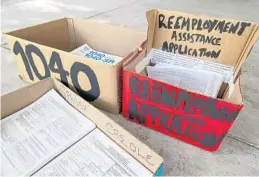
23, 97
194, 118
44, 50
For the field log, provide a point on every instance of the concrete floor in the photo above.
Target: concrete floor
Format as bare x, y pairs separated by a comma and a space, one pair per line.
239, 153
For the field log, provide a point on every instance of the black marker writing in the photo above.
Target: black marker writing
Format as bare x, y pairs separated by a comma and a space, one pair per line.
195, 38
186, 23
55, 65
160, 94
186, 126
114, 132
185, 50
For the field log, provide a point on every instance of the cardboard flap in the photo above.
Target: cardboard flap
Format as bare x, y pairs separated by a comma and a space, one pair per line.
53, 34
221, 40
131, 56
107, 38
247, 51
17, 100
122, 137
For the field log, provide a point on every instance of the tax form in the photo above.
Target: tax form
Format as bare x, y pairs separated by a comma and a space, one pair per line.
168, 59
94, 155
87, 52
203, 82
33, 136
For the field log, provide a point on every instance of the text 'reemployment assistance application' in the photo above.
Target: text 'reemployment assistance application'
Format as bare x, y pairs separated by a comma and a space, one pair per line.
51, 138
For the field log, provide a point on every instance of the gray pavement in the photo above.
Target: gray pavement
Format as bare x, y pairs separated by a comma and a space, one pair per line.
239, 153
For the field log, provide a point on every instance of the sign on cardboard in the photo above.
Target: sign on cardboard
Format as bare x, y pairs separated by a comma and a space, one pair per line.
40, 55
220, 40
111, 129
193, 118
37, 62
115, 132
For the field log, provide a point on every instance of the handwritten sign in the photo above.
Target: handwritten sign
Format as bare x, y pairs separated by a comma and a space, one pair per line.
193, 24
199, 36
55, 65
194, 118
191, 117
114, 131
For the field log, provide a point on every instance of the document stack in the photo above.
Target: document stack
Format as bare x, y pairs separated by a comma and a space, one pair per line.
87, 52
51, 138
192, 74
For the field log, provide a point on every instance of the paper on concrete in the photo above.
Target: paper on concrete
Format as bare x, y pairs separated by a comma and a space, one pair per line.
87, 52
168, 59
33, 136
203, 82
94, 155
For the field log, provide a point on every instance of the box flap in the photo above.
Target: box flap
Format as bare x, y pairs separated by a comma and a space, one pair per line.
17, 100
107, 38
54, 34
221, 40
122, 137
14, 101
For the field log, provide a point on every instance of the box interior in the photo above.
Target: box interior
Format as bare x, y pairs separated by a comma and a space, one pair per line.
139, 63
68, 34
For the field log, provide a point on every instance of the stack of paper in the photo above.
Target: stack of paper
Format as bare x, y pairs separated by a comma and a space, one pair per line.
94, 155
87, 52
192, 74
36, 134
51, 138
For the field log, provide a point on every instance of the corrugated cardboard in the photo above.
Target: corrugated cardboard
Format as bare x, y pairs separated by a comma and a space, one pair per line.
44, 50
194, 118
23, 97
235, 39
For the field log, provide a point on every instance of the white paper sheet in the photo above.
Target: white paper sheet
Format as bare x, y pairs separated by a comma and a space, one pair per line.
36, 134
168, 59
94, 155
203, 82
87, 52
